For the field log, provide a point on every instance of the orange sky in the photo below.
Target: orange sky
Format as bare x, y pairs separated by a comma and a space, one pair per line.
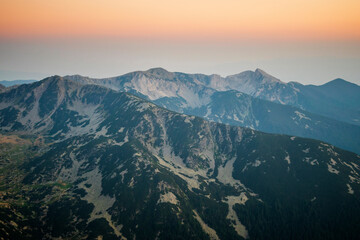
187, 19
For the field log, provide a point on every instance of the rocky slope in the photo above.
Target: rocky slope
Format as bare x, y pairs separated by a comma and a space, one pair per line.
114, 166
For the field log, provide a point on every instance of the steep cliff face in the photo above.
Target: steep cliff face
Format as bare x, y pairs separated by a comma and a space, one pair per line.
113, 165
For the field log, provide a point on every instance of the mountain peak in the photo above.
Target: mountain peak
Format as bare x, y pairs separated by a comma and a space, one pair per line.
75, 76
54, 79
157, 70
59, 82
258, 70
159, 73
339, 82
267, 76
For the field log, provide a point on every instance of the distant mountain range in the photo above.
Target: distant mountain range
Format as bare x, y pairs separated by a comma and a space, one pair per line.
337, 99
82, 161
16, 82
252, 99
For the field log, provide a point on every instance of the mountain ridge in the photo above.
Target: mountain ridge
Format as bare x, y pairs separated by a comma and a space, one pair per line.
256, 83
194, 94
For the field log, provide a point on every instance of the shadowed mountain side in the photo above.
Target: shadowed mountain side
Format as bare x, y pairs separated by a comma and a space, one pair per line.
239, 109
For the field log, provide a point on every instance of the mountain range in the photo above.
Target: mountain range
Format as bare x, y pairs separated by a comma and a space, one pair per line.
9, 83
85, 161
337, 99
251, 99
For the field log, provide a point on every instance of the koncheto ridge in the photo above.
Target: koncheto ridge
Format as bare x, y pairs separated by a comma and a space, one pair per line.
162, 155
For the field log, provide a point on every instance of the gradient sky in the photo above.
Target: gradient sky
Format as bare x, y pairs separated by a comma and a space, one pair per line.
298, 40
